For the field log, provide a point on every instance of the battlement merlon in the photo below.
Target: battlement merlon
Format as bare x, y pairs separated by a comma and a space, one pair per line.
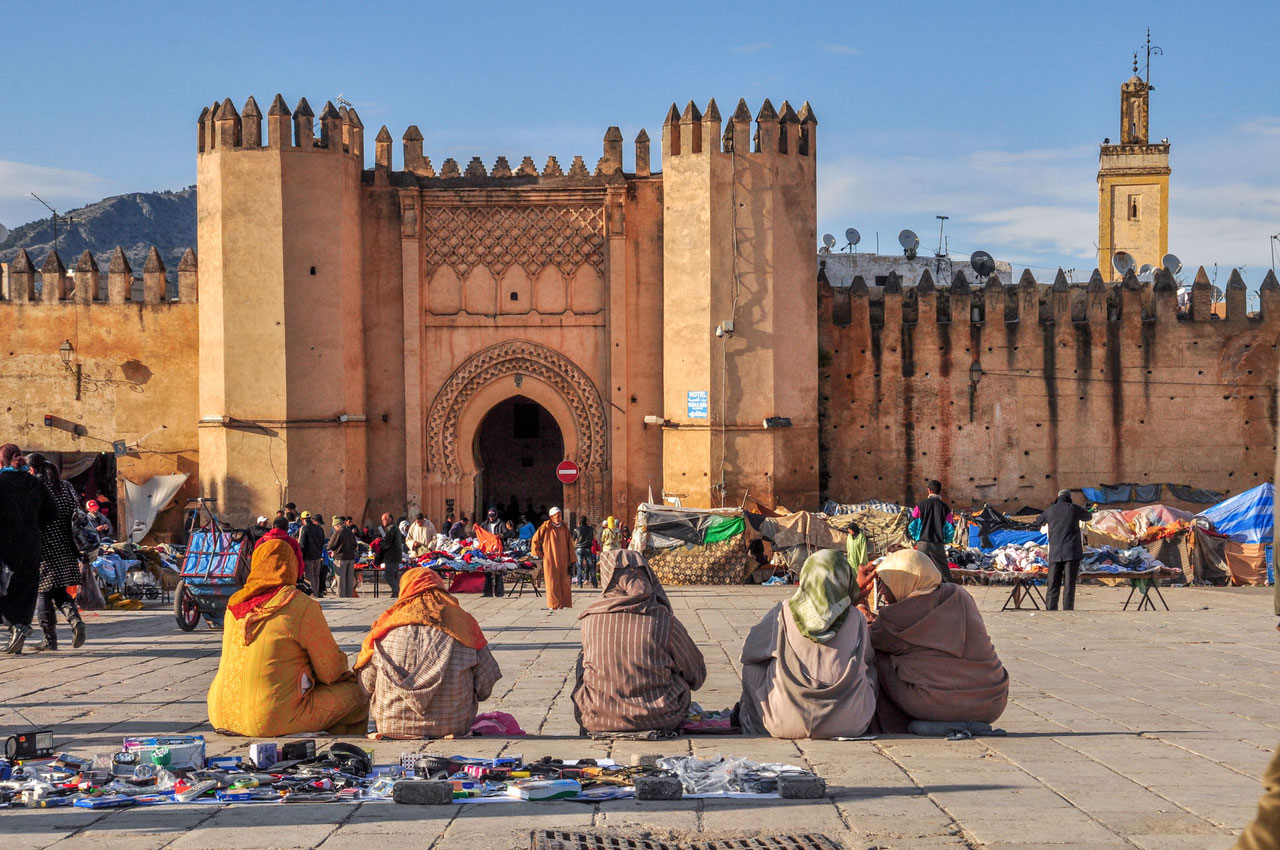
778, 132
1130, 300
82, 285
221, 127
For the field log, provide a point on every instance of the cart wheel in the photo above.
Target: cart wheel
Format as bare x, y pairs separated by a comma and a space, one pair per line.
185, 609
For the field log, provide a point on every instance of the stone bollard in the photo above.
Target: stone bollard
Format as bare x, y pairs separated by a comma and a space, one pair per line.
420, 792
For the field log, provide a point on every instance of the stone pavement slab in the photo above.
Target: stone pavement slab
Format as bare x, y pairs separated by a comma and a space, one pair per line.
1126, 730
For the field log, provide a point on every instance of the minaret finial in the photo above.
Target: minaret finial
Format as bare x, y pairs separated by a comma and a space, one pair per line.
1135, 63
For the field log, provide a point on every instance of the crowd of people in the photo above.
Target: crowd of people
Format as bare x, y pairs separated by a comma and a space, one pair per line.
835, 660
46, 537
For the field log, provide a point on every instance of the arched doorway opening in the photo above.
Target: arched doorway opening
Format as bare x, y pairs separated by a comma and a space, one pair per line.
517, 448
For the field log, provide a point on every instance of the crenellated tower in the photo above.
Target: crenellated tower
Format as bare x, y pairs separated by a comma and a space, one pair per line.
740, 349
282, 356
1133, 186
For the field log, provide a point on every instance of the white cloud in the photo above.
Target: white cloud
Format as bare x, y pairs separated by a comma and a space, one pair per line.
841, 49
59, 186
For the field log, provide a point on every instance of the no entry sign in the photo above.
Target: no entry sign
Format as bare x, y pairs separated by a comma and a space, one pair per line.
567, 472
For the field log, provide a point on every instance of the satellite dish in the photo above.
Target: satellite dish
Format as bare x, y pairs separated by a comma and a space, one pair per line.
4, 233
1171, 263
908, 240
829, 241
1146, 269
983, 263
853, 236
1217, 294
1123, 261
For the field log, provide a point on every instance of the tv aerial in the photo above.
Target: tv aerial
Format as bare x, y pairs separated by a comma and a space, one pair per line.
828, 242
1123, 262
983, 264
853, 237
909, 242
1171, 263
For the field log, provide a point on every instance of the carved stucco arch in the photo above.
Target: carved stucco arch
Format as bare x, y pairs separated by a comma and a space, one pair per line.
510, 360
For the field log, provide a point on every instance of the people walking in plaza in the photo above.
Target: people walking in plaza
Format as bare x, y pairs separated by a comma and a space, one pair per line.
425, 665
807, 666
932, 652
638, 664
342, 544
281, 671
934, 515
311, 540
26, 506
59, 559
551, 543
390, 546
422, 536
1066, 548
583, 538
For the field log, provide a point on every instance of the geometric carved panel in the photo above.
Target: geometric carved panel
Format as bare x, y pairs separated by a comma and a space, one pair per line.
498, 237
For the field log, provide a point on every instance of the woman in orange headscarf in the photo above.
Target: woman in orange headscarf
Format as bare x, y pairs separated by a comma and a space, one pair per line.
425, 664
281, 670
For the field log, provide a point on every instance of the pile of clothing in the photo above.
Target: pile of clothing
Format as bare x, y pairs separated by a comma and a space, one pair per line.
1021, 558
1107, 559
465, 556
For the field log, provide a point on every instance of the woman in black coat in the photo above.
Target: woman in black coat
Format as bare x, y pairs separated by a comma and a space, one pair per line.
25, 507
59, 559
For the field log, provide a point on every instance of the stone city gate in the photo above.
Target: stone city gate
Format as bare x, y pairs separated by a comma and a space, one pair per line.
498, 373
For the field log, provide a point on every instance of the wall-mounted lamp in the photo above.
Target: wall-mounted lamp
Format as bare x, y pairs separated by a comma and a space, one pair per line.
65, 351
654, 420
975, 376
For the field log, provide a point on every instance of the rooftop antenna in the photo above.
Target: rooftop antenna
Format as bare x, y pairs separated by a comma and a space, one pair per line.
983, 264
909, 242
828, 242
1274, 240
942, 222
1152, 50
66, 218
854, 237
342, 101
1123, 261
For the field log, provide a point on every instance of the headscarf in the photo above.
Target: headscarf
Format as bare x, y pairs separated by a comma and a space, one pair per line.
273, 574
908, 573
423, 602
611, 523
827, 591
629, 585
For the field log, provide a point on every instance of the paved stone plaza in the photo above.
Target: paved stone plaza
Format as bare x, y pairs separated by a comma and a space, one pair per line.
1128, 730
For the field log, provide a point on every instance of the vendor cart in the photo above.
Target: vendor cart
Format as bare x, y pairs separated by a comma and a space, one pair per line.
209, 571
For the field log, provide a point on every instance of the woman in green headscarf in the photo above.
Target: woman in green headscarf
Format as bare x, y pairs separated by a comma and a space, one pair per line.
808, 667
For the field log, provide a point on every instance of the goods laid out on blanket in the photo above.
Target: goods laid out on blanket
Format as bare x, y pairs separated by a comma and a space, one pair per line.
175, 770
466, 556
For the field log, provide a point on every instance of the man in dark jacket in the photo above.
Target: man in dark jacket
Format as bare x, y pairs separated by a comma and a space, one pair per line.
1065, 548
311, 539
342, 543
494, 585
934, 514
390, 551
26, 506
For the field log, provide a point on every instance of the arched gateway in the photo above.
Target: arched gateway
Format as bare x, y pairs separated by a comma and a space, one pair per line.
495, 375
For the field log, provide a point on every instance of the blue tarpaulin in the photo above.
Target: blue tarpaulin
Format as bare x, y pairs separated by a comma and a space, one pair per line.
1246, 517
1004, 538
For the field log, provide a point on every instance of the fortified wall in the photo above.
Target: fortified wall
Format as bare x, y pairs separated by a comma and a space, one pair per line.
104, 367
1008, 393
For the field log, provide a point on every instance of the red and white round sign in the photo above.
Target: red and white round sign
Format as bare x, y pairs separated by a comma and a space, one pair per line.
567, 472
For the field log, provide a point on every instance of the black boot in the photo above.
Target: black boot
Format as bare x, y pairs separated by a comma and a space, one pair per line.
72, 613
48, 618
17, 637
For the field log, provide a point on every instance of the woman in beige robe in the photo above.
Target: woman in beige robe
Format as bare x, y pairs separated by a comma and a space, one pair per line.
933, 655
551, 543
807, 667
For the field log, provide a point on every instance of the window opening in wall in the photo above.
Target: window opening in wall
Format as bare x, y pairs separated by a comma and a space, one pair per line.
1133, 208
515, 296
313, 271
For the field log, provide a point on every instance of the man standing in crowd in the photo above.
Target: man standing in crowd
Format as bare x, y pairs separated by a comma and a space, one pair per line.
551, 544
583, 537
526, 528
934, 515
342, 543
422, 535
259, 528
100, 522
311, 539
390, 552
494, 584
1066, 548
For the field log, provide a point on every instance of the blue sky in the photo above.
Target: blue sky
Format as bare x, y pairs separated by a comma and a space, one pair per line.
990, 113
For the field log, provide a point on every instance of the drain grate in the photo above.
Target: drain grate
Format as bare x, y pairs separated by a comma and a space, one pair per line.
554, 839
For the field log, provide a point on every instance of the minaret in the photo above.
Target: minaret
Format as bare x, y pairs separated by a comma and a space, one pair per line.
1133, 185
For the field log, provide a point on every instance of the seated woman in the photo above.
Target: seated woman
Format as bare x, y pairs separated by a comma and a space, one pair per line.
933, 654
638, 664
807, 666
425, 664
281, 670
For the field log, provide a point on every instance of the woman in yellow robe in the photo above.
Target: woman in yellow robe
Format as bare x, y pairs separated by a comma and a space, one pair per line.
281, 670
